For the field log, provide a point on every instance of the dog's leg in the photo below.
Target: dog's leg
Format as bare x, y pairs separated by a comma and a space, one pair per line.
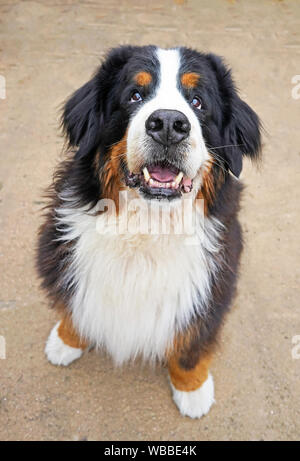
64, 344
192, 386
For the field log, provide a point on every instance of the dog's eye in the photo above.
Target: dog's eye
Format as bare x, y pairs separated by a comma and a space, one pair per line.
196, 102
136, 97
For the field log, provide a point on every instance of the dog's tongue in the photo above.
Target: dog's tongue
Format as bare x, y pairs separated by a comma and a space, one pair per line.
162, 174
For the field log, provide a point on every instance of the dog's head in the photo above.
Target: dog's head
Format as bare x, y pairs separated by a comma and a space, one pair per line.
156, 120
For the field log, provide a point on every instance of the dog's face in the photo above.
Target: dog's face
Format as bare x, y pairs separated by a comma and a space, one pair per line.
155, 120
165, 145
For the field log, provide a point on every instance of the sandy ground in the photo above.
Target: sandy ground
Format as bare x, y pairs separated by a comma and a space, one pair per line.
48, 49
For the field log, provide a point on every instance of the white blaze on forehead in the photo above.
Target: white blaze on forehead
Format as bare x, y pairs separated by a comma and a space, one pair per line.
166, 96
169, 61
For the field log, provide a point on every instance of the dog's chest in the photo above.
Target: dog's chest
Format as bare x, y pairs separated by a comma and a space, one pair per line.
134, 292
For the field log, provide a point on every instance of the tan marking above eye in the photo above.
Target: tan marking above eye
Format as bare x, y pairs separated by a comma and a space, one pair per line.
143, 78
190, 79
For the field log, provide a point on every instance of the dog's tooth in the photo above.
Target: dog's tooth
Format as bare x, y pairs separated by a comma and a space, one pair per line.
151, 182
146, 174
178, 178
173, 184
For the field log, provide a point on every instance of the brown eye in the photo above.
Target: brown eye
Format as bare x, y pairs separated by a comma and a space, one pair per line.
196, 102
136, 97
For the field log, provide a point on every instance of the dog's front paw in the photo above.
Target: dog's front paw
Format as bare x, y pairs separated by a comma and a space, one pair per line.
59, 353
195, 403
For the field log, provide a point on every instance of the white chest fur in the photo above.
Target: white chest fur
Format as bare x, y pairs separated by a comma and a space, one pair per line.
134, 292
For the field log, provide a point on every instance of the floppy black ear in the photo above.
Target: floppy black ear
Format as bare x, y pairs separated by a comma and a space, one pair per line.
241, 135
87, 109
241, 131
81, 117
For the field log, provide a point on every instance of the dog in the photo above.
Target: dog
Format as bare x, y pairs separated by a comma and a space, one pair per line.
161, 128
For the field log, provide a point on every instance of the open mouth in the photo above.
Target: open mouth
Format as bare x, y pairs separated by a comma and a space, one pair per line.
160, 181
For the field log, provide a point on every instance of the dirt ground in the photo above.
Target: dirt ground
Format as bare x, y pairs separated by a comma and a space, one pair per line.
47, 50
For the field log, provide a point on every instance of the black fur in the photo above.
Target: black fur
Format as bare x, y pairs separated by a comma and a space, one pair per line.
204, 332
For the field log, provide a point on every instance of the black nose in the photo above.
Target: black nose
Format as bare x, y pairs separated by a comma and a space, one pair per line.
168, 126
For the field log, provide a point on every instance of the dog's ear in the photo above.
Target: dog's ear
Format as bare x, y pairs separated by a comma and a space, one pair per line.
241, 131
241, 135
84, 114
81, 116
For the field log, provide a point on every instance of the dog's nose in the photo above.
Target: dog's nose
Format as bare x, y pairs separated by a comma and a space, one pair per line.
168, 126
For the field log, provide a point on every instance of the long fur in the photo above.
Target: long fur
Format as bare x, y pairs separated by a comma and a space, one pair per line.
136, 294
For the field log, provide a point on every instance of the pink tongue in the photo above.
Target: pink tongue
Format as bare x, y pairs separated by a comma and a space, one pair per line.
162, 174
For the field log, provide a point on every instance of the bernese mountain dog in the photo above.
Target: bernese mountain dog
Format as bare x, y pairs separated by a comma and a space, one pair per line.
161, 134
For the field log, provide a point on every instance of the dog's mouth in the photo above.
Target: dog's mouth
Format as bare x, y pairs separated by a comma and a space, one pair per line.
161, 180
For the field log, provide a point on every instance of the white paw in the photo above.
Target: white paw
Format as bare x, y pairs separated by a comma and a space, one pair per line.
195, 403
58, 352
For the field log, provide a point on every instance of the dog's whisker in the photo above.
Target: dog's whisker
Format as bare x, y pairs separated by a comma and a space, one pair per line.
222, 147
